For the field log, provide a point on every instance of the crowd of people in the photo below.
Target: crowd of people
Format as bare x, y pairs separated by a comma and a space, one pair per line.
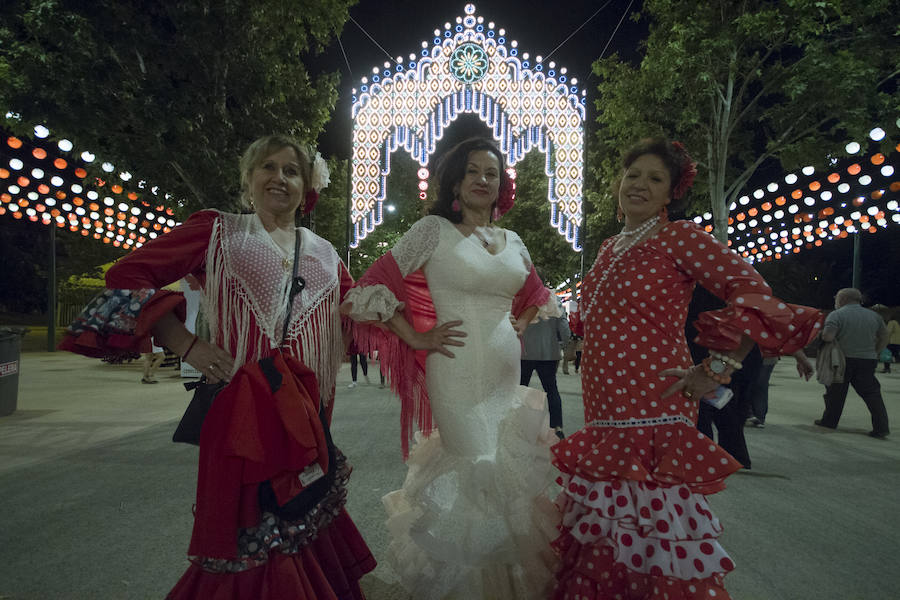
459, 320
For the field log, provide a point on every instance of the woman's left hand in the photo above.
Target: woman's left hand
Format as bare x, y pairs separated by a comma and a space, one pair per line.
693, 382
518, 325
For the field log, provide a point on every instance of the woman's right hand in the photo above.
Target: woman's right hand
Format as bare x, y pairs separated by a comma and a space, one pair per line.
437, 338
215, 364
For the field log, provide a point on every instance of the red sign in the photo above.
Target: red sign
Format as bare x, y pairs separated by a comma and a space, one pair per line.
9, 368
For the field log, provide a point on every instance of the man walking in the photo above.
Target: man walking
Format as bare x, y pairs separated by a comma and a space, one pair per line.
860, 334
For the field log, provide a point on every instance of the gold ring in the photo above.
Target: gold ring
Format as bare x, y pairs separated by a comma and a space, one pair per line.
688, 394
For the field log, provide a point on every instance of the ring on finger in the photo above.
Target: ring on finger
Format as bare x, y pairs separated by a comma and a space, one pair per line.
688, 394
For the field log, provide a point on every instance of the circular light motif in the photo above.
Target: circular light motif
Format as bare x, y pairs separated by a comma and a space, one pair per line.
469, 63
852, 148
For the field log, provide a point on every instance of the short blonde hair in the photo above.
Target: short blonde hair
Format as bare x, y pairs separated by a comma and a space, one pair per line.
266, 146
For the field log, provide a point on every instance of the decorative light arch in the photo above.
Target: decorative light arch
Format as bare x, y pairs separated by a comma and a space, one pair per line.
468, 68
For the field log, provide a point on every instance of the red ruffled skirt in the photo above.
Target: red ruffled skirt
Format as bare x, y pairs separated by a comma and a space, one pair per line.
636, 524
328, 568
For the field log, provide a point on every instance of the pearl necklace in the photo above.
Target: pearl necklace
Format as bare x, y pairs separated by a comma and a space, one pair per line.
636, 235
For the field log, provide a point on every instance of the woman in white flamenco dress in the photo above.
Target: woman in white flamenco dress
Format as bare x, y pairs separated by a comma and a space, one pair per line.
473, 519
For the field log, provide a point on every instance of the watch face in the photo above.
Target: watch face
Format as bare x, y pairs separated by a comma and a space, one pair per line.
717, 366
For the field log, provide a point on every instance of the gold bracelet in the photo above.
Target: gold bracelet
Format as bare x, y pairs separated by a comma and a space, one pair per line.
731, 362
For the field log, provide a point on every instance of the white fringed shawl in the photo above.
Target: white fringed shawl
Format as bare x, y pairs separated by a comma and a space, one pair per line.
246, 295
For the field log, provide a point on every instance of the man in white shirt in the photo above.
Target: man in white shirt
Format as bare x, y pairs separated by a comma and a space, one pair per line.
861, 335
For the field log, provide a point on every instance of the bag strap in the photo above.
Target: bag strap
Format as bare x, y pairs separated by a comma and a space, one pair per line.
297, 285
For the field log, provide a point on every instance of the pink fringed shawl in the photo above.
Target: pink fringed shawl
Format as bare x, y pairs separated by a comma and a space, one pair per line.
403, 367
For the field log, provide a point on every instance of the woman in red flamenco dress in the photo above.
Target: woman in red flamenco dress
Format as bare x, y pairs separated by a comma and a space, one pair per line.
267, 425
636, 524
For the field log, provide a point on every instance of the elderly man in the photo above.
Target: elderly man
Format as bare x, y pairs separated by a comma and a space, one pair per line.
860, 334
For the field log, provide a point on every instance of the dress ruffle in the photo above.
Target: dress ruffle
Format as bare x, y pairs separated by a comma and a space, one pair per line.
329, 568
651, 454
372, 303
478, 527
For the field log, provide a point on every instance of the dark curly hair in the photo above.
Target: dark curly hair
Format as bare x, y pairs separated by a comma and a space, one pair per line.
451, 169
673, 156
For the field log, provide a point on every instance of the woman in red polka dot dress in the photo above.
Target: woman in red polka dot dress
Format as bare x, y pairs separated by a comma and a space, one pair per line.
636, 523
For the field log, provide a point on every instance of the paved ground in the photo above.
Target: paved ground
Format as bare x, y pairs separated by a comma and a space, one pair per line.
95, 500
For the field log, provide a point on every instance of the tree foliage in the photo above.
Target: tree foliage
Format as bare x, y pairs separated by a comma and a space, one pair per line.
170, 91
744, 83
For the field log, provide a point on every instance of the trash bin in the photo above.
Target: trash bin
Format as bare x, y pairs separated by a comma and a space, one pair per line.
10, 348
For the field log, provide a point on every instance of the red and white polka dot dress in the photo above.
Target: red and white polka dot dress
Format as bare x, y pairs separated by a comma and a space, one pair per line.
635, 519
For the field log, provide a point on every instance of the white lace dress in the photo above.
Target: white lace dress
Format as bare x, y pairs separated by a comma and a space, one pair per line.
472, 520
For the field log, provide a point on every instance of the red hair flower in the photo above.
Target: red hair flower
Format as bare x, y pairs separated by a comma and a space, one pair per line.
688, 172
312, 196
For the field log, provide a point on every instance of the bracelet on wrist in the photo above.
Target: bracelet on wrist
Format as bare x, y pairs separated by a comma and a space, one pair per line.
731, 362
190, 347
720, 378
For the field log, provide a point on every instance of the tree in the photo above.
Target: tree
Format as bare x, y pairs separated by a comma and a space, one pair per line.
170, 91
748, 82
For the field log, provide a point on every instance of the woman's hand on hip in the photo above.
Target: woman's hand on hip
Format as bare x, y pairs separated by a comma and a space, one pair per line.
693, 383
438, 338
212, 361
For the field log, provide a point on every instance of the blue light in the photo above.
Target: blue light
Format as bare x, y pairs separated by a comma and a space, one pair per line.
447, 34
524, 64
425, 52
538, 67
375, 79
501, 41
491, 33
399, 68
573, 89
387, 72
437, 40
412, 65
479, 28
551, 73
459, 28
562, 78
364, 88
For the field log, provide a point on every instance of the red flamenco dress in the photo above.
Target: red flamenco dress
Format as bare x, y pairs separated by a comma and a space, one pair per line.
636, 523
264, 426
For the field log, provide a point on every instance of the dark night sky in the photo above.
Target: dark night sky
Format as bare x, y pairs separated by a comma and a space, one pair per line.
400, 27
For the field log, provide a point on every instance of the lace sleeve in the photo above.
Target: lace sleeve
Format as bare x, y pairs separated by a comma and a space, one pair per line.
418, 244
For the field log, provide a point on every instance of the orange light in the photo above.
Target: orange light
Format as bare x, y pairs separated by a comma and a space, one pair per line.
40, 207
876, 194
708, 228
132, 196
818, 242
814, 185
80, 173
39, 153
120, 216
828, 211
108, 211
877, 159
94, 206
99, 182
17, 214
879, 214
797, 194
54, 213
780, 201
730, 221
60, 195
60, 163
14, 142
4, 173
795, 250
117, 189
96, 236
854, 169
105, 240
44, 188
23, 202
857, 201
752, 212
741, 216
85, 232
834, 177
23, 181
895, 186
767, 206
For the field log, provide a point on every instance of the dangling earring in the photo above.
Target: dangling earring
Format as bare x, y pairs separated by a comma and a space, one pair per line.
455, 206
495, 214
620, 216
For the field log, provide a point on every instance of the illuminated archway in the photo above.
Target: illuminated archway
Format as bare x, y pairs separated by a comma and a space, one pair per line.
468, 68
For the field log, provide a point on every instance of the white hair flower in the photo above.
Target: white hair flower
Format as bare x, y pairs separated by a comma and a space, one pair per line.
320, 175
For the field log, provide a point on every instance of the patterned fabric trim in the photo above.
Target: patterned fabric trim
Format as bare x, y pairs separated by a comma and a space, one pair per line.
664, 420
287, 537
112, 312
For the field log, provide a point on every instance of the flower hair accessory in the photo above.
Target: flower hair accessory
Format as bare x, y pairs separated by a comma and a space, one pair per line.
688, 171
319, 180
506, 198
